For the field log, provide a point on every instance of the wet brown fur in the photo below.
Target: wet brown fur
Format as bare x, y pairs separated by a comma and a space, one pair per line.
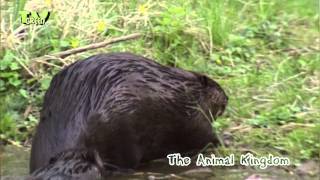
128, 108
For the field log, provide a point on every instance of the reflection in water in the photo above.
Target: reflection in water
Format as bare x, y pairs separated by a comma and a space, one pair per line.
14, 162
15, 166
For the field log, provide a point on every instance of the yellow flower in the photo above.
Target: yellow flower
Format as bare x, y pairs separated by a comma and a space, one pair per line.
101, 26
218, 61
142, 9
48, 2
75, 42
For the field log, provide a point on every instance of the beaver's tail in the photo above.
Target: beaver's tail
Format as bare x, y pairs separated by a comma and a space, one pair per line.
71, 164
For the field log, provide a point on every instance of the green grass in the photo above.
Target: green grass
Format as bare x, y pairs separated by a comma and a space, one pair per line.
264, 53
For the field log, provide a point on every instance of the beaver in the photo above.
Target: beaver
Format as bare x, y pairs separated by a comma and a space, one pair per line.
72, 164
127, 108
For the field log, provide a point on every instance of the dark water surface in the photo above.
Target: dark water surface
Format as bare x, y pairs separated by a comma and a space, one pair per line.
15, 166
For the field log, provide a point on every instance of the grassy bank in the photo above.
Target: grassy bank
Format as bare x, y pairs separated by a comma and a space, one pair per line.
264, 53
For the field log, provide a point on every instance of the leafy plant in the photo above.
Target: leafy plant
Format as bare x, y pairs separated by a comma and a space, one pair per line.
9, 74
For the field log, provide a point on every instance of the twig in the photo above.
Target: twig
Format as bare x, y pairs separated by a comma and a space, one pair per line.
27, 111
69, 52
26, 68
47, 63
14, 143
292, 125
241, 128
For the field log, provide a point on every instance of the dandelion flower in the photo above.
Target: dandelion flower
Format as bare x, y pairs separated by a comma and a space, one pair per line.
101, 26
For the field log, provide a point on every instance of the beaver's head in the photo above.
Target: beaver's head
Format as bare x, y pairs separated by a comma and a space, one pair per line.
213, 98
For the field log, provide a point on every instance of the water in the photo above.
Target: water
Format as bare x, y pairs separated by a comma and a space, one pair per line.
15, 166
14, 162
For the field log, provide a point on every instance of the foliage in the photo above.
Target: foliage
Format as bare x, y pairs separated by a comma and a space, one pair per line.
264, 53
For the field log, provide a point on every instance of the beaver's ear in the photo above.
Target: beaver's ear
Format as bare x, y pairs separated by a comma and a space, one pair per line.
203, 80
